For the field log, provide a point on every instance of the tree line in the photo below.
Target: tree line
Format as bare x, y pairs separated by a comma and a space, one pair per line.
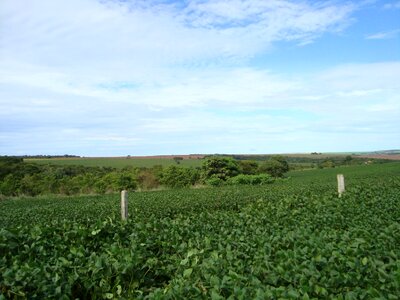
23, 178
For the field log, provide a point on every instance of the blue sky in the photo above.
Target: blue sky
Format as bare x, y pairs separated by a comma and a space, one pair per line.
110, 78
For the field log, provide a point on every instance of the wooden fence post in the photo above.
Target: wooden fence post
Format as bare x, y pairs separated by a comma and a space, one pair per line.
340, 184
124, 205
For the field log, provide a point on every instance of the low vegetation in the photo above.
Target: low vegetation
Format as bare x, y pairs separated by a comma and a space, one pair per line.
294, 239
21, 178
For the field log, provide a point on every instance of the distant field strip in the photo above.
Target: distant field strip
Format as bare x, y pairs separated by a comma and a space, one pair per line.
118, 162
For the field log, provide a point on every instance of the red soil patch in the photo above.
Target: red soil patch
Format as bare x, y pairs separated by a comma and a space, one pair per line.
186, 156
382, 156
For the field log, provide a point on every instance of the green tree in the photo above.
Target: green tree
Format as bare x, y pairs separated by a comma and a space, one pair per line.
283, 161
326, 164
31, 185
8, 165
9, 186
177, 177
248, 167
348, 160
220, 167
275, 167
117, 181
178, 159
149, 178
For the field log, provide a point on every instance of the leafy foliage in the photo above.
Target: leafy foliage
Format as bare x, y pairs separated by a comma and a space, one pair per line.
251, 179
248, 167
276, 166
292, 240
178, 177
220, 167
214, 181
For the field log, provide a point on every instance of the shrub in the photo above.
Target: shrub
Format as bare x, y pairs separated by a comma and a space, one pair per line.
214, 181
148, 179
177, 177
248, 167
251, 179
275, 167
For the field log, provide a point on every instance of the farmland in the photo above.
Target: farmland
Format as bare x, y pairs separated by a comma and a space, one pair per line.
294, 239
121, 162
300, 160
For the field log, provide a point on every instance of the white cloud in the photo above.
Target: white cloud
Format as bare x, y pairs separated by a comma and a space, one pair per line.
102, 77
392, 5
284, 19
241, 104
75, 46
384, 35
86, 33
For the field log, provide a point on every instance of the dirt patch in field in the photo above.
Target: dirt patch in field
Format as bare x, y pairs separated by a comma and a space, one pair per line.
381, 156
186, 156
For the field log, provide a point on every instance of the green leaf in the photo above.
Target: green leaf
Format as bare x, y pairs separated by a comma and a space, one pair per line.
94, 232
187, 272
215, 295
191, 252
119, 290
58, 290
364, 261
293, 294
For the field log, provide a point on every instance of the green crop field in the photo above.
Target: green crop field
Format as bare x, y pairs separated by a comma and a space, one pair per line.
116, 162
294, 239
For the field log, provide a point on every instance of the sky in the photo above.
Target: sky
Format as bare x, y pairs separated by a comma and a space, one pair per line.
150, 77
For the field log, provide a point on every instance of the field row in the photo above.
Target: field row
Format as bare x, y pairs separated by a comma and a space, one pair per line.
288, 240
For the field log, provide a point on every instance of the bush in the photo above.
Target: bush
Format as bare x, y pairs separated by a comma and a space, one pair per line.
118, 181
10, 185
251, 179
326, 164
148, 179
214, 181
275, 167
248, 167
178, 177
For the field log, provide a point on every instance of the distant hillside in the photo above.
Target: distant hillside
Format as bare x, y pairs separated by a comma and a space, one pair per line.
387, 152
382, 154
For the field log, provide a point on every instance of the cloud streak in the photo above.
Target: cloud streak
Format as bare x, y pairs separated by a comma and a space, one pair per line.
384, 35
394, 5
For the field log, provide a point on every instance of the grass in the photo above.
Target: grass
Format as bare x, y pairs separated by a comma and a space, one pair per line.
116, 162
299, 160
351, 172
